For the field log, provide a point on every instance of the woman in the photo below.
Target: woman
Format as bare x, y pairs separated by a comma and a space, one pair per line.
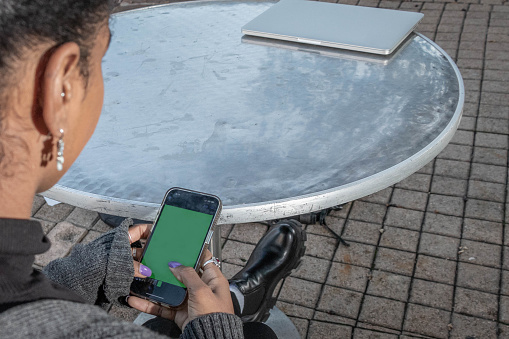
51, 94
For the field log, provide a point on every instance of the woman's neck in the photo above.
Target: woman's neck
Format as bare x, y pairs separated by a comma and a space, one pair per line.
16, 198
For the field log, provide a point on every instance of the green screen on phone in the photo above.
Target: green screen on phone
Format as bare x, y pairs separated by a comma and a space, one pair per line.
178, 236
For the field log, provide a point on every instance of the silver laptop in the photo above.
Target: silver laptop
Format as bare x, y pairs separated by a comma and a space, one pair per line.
328, 52
364, 29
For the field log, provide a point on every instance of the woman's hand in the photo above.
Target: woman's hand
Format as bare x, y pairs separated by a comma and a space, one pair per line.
136, 233
208, 294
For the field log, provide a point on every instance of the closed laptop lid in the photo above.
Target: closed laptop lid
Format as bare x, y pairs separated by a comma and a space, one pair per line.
365, 29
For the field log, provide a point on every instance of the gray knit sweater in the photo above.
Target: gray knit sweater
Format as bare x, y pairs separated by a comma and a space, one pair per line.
100, 273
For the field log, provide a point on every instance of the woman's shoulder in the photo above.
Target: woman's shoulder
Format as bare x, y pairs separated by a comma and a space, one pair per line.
65, 319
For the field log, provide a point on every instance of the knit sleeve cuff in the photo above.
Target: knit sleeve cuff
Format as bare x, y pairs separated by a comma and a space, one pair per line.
100, 271
214, 325
119, 269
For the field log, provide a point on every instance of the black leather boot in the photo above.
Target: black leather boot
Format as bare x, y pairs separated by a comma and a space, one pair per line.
277, 253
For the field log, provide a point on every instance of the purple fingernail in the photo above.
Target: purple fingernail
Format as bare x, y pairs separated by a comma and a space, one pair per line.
145, 270
173, 264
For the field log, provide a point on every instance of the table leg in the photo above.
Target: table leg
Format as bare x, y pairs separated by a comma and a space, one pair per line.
215, 243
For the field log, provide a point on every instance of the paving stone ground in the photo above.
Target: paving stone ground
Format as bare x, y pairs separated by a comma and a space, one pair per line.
428, 257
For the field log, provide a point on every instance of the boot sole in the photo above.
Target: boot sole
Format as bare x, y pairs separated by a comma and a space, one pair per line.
268, 303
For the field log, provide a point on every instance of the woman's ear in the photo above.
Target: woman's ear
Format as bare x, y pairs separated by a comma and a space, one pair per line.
61, 77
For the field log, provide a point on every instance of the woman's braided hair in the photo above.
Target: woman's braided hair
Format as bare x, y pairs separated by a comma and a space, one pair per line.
25, 24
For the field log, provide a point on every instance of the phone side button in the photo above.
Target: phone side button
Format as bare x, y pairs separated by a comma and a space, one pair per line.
209, 236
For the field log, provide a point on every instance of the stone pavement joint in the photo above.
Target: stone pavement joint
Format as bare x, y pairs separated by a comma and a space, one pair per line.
428, 257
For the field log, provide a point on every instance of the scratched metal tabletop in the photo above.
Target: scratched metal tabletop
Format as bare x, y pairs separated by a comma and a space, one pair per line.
274, 129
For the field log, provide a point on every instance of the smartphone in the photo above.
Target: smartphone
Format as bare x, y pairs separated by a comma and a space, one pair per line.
182, 229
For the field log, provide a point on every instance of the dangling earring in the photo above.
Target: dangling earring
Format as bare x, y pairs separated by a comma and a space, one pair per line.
60, 151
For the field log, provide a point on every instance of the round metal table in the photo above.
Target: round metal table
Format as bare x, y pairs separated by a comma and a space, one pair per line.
274, 129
